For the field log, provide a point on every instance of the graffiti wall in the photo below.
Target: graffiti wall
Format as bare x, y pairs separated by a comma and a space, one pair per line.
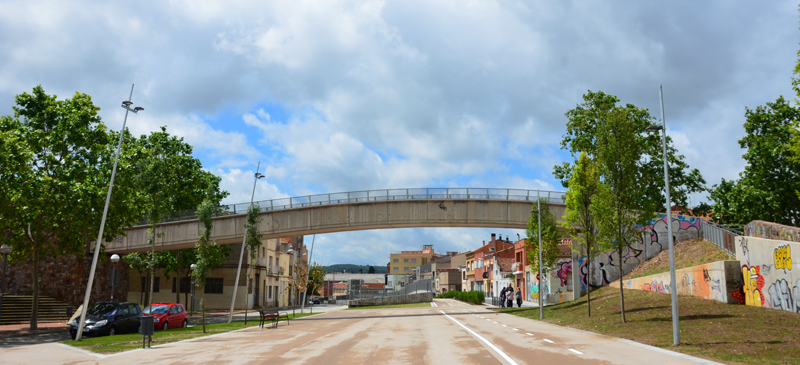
715, 281
771, 273
606, 268
773, 231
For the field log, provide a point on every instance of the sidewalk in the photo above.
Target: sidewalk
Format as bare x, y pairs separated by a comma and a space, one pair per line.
525, 304
20, 328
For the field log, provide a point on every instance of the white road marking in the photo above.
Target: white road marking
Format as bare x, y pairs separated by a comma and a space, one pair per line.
450, 304
495, 321
433, 304
492, 346
487, 319
529, 334
515, 329
576, 351
503, 325
546, 340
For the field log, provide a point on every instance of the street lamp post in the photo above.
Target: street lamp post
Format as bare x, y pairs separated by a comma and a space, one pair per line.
676, 336
5, 250
114, 259
257, 176
192, 266
539, 233
127, 106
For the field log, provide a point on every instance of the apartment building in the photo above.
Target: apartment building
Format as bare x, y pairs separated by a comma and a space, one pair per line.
404, 262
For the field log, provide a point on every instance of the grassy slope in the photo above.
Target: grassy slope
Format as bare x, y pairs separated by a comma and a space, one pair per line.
731, 333
687, 254
130, 341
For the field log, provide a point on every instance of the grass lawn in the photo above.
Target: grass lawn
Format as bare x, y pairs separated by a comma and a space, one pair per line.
687, 254
709, 329
410, 305
130, 341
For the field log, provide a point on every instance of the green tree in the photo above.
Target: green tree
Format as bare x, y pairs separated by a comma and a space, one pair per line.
584, 185
170, 180
205, 213
50, 155
316, 278
619, 204
768, 187
371, 269
252, 239
583, 124
550, 240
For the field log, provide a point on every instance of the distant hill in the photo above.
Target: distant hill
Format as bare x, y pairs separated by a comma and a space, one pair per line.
354, 268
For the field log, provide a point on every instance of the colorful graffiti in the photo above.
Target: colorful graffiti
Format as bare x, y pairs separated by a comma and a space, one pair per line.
783, 257
753, 285
564, 271
606, 266
656, 287
781, 296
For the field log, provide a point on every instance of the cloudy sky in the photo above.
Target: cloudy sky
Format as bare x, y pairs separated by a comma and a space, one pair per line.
344, 96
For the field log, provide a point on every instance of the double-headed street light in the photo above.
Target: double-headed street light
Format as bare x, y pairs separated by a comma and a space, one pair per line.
5, 250
127, 106
676, 336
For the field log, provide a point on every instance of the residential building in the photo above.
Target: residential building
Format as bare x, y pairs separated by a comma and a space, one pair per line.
404, 262
448, 279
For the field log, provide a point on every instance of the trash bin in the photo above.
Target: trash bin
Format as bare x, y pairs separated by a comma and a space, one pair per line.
146, 329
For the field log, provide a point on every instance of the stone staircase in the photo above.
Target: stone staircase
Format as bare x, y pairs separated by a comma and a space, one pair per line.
17, 309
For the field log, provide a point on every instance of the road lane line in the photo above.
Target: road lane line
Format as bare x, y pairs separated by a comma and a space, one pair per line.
546, 340
433, 304
492, 346
495, 321
450, 304
503, 325
515, 329
529, 334
576, 351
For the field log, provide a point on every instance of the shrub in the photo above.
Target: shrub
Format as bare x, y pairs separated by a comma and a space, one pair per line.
474, 297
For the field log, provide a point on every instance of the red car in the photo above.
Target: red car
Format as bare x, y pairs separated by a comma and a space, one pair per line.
168, 315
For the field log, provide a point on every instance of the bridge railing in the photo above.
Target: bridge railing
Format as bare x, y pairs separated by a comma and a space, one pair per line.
378, 196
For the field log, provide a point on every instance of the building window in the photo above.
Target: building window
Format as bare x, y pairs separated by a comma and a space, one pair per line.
184, 286
396, 269
405, 269
156, 284
213, 286
414, 260
396, 260
250, 286
405, 260
269, 289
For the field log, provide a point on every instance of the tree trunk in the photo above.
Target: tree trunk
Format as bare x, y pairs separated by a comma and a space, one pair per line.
177, 277
203, 311
621, 277
588, 278
35, 307
152, 268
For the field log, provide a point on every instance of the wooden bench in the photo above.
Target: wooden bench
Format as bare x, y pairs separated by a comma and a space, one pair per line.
272, 314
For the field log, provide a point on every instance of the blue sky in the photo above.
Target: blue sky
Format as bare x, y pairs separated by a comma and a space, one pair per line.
357, 95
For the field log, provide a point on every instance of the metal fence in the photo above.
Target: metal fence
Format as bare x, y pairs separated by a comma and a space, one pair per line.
377, 196
720, 235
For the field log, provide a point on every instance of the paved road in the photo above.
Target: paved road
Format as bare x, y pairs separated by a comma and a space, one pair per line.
450, 333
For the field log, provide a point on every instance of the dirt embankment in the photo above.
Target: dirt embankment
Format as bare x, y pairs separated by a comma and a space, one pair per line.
687, 254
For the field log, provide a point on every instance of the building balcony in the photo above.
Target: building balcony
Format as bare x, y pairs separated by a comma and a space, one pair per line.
272, 271
517, 268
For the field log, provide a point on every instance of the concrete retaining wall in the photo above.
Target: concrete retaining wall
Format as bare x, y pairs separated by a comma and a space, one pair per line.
716, 281
771, 271
397, 299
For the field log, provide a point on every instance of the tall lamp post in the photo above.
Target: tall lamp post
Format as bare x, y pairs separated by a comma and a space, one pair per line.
256, 176
676, 335
539, 216
127, 106
6, 250
114, 259
192, 266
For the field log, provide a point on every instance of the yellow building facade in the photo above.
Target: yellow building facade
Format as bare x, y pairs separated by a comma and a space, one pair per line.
404, 262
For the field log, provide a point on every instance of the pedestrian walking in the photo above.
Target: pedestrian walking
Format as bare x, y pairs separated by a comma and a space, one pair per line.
510, 297
503, 297
519, 298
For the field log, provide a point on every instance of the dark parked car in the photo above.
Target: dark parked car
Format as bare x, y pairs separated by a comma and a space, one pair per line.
315, 300
108, 318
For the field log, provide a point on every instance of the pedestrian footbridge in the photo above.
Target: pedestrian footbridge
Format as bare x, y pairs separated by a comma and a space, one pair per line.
352, 211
